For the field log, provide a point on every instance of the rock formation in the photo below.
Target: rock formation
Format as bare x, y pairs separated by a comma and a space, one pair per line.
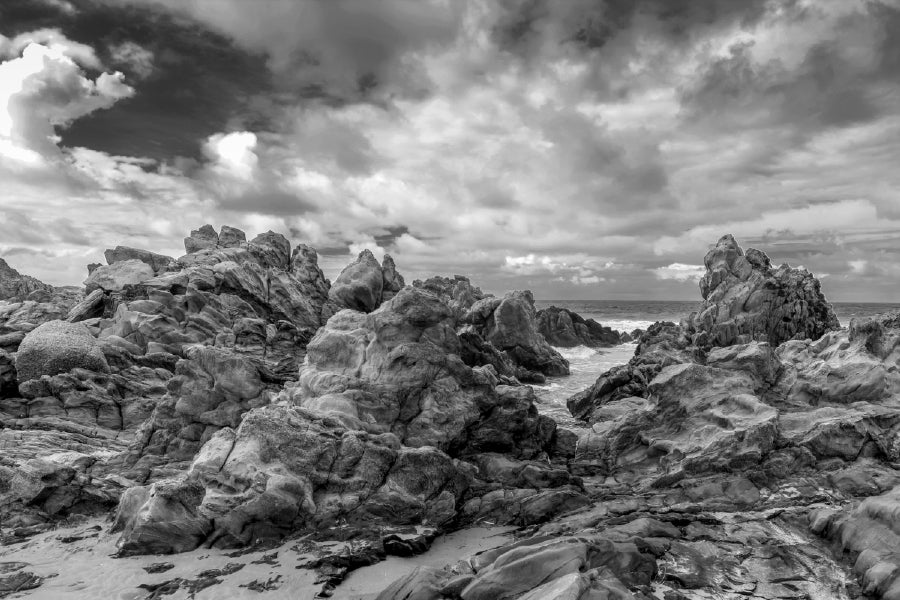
148, 366
386, 425
360, 284
745, 299
566, 329
509, 323
16, 287
157, 262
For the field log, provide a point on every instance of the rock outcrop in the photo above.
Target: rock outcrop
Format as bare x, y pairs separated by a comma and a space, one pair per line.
746, 299
509, 323
566, 329
360, 284
16, 287
146, 369
158, 262
386, 425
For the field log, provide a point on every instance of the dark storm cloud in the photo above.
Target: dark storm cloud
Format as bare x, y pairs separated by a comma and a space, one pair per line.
268, 202
197, 82
335, 50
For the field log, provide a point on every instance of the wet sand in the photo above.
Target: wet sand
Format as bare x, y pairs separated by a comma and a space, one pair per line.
85, 569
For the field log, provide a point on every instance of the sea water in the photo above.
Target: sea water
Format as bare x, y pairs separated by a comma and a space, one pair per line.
587, 364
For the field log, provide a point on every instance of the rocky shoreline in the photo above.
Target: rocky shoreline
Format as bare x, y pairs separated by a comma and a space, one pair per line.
235, 399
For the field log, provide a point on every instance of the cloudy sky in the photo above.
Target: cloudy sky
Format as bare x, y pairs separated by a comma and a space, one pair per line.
579, 148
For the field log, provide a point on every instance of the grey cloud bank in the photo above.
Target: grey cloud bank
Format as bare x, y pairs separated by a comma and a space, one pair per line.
588, 149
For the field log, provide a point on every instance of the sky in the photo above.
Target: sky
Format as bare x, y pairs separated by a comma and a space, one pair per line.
583, 149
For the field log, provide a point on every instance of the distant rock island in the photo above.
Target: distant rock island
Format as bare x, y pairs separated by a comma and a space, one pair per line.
234, 397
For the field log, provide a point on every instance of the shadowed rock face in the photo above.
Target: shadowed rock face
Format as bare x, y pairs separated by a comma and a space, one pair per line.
745, 299
386, 425
510, 324
16, 287
360, 284
566, 329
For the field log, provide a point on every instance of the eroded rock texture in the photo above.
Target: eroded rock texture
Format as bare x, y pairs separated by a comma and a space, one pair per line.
746, 299
385, 426
565, 329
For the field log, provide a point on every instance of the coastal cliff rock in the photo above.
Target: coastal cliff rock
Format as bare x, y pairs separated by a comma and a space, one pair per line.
566, 329
160, 363
509, 323
360, 284
157, 262
16, 287
746, 299
386, 425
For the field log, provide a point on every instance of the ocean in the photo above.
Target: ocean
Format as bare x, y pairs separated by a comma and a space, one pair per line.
586, 364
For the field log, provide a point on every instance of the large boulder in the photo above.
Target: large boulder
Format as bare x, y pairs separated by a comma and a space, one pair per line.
58, 347
510, 324
157, 262
563, 328
746, 299
200, 239
360, 284
116, 276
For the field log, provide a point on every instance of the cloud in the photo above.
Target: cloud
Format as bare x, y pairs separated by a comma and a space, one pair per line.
134, 57
582, 148
45, 88
680, 272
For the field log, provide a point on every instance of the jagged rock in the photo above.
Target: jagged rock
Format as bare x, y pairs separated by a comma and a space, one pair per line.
16, 287
509, 324
231, 237
457, 293
9, 383
205, 237
360, 284
745, 299
564, 328
157, 262
389, 427
58, 347
392, 281
115, 276
305, 267
663, 345
88, 308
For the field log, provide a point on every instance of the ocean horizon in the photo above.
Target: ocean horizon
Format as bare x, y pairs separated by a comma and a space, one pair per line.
627, 315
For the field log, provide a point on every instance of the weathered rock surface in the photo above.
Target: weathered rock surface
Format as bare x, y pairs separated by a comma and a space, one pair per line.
157, 262
58, 347
161, 363
746, 299
386, 425
115, 276
392, 280
360, 284
16, 287
566, 329
509, 323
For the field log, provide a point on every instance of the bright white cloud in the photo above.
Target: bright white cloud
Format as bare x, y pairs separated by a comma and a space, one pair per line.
680, 272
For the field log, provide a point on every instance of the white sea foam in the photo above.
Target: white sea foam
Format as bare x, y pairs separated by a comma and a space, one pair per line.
577, 353
626, 325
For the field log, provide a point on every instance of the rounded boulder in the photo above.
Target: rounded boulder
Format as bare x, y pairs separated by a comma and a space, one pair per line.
58, 347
